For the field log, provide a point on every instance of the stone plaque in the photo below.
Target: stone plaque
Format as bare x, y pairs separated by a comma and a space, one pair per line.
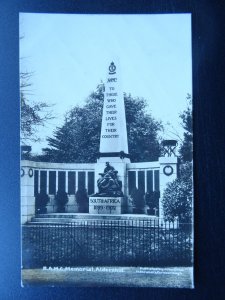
105, 205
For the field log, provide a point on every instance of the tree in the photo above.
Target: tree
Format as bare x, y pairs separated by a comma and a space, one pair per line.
178, 196
142, 131
79, 138
186, 148
32, 114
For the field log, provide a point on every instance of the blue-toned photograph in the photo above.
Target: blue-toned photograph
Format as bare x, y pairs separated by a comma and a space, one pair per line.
106, 150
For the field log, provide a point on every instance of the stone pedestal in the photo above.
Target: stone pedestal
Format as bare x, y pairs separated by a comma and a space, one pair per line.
106, 205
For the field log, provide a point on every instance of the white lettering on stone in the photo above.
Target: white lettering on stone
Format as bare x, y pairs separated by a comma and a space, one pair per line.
110, 130
111, 112
105, 200
111, 94
111, 106
114, 119
111, 118
110, 136
112, 80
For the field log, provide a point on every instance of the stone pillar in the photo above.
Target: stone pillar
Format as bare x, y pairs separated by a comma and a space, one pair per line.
27, 194
168, 173
66, 182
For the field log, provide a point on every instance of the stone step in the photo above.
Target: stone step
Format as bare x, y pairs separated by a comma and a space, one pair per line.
94, 220
91, 221
96, 216
51, 220
93, 224
100, 221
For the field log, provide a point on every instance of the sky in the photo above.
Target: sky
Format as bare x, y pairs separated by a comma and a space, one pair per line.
69, 55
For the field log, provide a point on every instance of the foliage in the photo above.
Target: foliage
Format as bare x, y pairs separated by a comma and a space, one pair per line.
82, 200
186, 148
41, 200
177, 197
33, 115
142, 130
152, 200
79, 137
61, 199
138, 200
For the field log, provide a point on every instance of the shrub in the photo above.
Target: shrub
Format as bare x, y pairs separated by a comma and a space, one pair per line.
41, 200
177, 197
61, 199
82, 200
138, 201
152, 200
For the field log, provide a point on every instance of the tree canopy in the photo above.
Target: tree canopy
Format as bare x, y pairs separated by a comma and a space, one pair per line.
78, 139
178, 196
32, 114
186, 148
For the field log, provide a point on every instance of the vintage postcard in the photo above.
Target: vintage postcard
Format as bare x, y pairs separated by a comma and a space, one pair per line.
106, 150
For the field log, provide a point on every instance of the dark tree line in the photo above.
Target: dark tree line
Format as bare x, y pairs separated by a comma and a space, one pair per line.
78, 139
178, 196
186, 148
33, 114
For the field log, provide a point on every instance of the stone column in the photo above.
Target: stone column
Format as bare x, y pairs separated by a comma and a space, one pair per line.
27, 194
76, 183
66, 182
168, 173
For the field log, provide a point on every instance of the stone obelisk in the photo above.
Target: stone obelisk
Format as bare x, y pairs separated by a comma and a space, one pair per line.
110, 169
113, 139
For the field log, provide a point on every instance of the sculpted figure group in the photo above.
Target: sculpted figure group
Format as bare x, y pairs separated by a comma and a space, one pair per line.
108, 184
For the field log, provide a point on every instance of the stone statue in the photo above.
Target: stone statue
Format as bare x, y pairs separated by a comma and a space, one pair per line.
108, 168
108, 184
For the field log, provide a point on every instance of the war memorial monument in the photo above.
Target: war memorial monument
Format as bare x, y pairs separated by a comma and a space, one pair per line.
97, 187
108, 182
111, 237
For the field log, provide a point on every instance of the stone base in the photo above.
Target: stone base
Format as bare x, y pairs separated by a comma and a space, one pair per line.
106, 205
